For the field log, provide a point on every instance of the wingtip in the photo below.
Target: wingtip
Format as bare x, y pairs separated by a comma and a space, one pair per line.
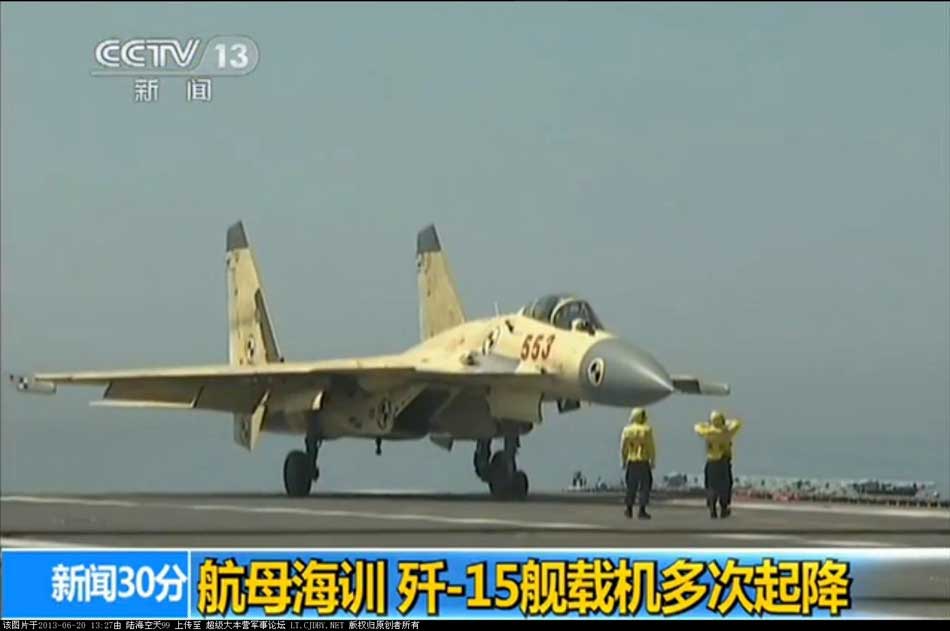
237, 238
428, 240
25, 383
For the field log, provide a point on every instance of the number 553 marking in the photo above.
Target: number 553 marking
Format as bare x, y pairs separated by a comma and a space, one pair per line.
540, 348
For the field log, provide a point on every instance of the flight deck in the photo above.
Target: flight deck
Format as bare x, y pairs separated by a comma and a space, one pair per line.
406, 519
386, 519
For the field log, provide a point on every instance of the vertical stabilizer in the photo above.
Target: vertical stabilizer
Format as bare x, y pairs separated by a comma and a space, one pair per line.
251, 339
439, 305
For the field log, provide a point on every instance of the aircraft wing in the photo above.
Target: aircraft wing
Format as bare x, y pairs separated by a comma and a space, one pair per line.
687, 384
224, 388
239, 389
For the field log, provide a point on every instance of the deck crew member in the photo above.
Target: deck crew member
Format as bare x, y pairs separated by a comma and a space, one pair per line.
718, 434
638, 457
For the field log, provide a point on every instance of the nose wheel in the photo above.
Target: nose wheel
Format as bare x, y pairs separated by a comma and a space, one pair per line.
505, 480
519, 485
482, 460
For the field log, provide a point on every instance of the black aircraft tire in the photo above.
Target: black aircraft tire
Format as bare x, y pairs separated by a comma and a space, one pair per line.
500, 490
481, 471
502, 467
297, 474
519, 486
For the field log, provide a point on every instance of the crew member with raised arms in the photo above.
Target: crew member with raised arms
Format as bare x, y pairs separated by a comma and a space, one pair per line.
718, 434
638, 457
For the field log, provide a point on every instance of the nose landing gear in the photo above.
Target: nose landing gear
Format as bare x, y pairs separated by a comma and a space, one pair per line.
500, 471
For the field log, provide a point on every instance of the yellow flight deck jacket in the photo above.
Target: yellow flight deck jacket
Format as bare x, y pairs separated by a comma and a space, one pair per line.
718, 439
636, 444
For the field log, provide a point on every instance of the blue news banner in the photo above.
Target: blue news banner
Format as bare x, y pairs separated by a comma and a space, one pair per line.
431, 584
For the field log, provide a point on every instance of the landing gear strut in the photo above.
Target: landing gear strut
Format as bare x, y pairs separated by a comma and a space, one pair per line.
482, 459
500, 471
301, 470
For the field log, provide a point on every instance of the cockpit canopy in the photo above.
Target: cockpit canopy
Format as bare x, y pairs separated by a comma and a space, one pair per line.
562, 310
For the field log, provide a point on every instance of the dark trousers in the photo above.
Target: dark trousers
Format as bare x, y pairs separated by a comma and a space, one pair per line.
718, 483
639, 479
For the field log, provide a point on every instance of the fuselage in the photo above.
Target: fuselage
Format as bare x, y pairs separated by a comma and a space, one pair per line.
592, 365
578, 365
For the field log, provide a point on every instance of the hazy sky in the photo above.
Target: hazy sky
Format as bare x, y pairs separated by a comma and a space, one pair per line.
757, 193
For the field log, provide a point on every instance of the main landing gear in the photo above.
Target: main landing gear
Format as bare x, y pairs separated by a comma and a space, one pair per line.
301, 470
500, 471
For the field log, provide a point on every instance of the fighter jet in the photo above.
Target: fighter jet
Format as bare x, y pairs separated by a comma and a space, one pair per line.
478, 380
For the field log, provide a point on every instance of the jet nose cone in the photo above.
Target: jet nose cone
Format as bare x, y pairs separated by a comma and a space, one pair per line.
614, 372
